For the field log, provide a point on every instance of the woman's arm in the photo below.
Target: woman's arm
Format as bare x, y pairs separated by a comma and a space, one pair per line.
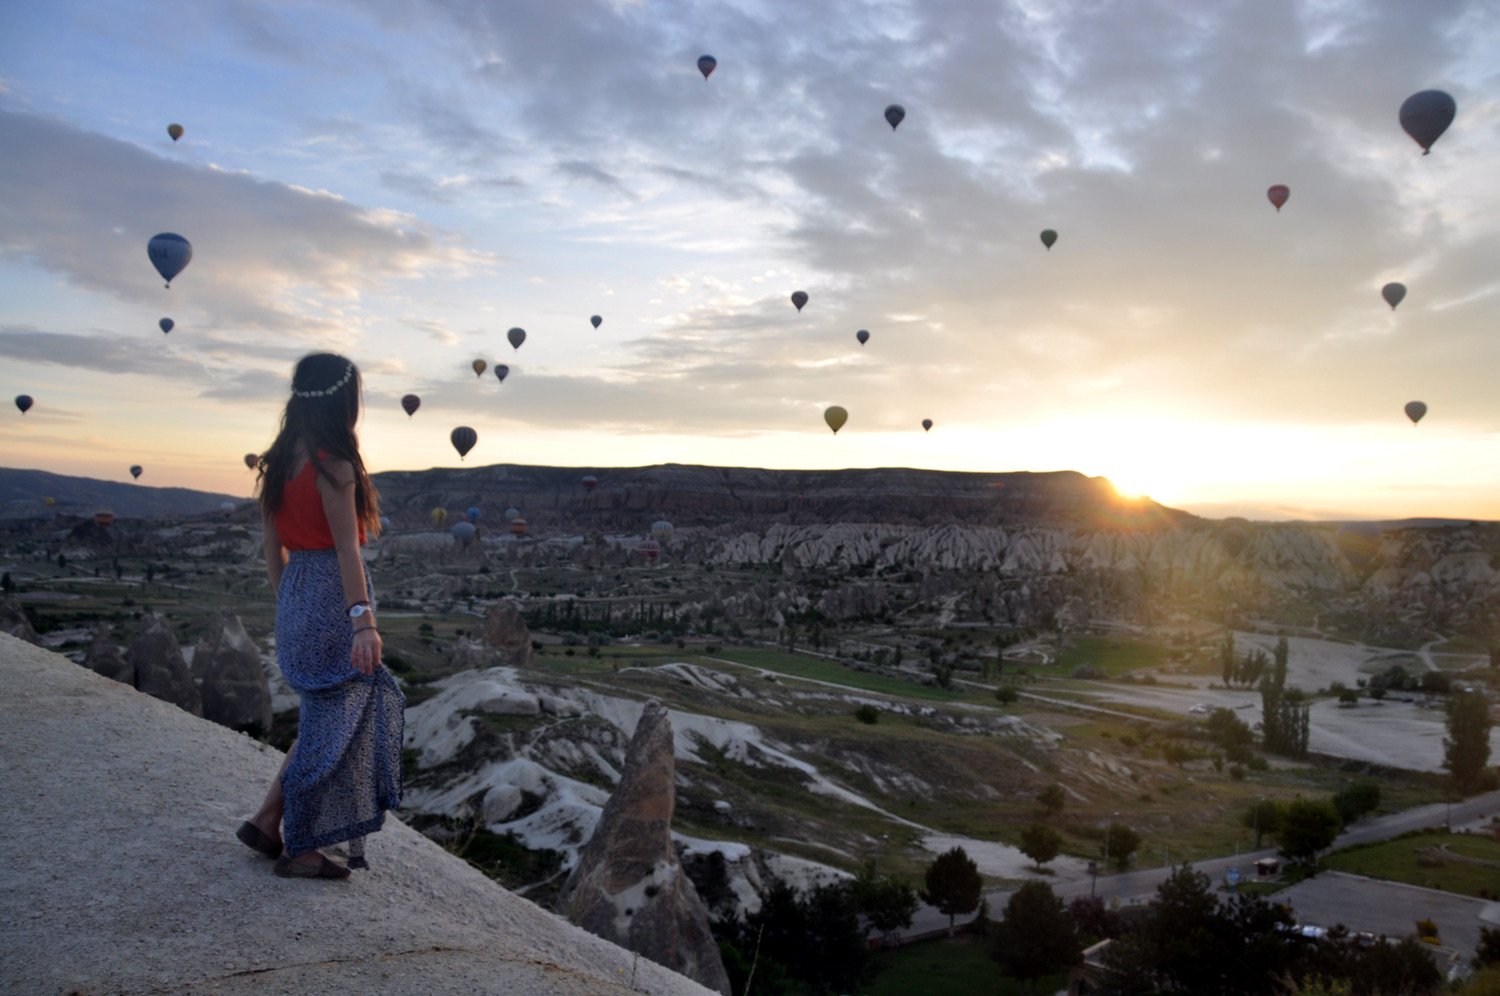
275, 554
343, 522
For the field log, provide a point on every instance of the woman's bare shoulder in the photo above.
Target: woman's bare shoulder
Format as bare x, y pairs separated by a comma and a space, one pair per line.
341, 470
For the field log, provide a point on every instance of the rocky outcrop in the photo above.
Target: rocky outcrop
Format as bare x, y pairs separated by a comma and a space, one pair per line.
13, 620
156, 661
505, 630
104, 657
629, 886
231, 678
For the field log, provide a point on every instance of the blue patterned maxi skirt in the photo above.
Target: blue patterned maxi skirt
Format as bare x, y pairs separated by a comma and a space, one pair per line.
345, 770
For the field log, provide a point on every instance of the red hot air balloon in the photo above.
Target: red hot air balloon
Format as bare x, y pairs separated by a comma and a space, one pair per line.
463, 439
24, 402
589, 482
104, 517
706, 65
410, 403
799, 298
518, 527
252, 460
650, 549
1278, 195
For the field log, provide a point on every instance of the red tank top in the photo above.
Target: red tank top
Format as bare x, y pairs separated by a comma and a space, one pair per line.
300, 521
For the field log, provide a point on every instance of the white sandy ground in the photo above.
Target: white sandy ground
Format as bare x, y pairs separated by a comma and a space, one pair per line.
121, 872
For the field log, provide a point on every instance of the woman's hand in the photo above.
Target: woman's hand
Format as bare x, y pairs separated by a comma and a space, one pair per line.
365, 657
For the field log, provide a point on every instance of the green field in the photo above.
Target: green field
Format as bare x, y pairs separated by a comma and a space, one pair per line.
1109, 655
1417, 859
947, 967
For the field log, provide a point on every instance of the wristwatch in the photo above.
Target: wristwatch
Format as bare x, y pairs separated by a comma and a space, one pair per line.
358, 610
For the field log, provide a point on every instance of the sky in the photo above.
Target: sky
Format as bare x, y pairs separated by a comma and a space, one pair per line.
405, 181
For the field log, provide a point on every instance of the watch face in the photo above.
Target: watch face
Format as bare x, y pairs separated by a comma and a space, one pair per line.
358, 610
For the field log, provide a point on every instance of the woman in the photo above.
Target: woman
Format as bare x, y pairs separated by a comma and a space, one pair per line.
317, 503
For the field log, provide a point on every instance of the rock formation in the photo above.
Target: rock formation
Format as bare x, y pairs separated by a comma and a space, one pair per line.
103, 657
13, 620
156, 660
230, 677
505, 630
629, 886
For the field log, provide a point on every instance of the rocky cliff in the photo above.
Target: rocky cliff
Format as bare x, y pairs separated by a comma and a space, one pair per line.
152, 893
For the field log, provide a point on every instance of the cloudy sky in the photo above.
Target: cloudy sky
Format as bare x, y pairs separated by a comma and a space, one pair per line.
405, 180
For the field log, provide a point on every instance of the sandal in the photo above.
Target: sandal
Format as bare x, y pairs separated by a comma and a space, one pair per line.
287, 868
254, 838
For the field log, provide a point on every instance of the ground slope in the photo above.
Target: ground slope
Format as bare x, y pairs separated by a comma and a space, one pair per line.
122, 873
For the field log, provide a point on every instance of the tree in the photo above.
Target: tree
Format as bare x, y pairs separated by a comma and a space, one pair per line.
1040, 843
1487, 952
1307, 828
1006, 694
1228, 730
1052, 799
1226, 659
1036, 936
1264, 817
1466, 748
1355, 800
6, 584
953, 884
1120, 842
886, 901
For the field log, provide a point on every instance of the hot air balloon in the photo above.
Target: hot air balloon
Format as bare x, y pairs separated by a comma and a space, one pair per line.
589, 482
479, 367
863, 336
1415, 410
835, 416
1049, 237
895, 114
1393, 293
385, 524
252, 460
463, 439
799, 298
464, 532
927, 425
438, 516
410, 403
49, 501
516, 337
227, 508
596, 321
661, 529
472, 514
518, 526
175, 130
135, 471
512, 513
104, 517
706, 65
501, 372
24, 402
1278, 195
1426, 115
166, 325
170, 253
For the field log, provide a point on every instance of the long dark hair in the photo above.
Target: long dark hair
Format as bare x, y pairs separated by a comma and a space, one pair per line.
320, 415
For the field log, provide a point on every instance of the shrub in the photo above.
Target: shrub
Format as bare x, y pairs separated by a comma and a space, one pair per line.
1237, 772
1006, 694
867, 714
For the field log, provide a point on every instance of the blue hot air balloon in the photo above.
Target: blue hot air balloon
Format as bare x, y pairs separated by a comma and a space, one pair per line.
170, 253
473, 514
706, 65
166, 325
464, 532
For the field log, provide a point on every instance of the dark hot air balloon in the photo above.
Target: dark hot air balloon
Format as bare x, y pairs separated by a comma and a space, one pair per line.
1278, 195
596, 321
24, 402
863, 336
252, 460
1393, 294
799, 298
1049, 237
589, 482
835, 416
895, 114
706, 65
463, 439
479, 367
175, 130
170, 253
927, 425
135, 471
502, 371
512, 513
1415, 410
166, 325
518, 527
1426, 115
410, 403
104, 517
516, 337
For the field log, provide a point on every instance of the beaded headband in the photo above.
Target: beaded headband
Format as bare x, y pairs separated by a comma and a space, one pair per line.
348, 372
